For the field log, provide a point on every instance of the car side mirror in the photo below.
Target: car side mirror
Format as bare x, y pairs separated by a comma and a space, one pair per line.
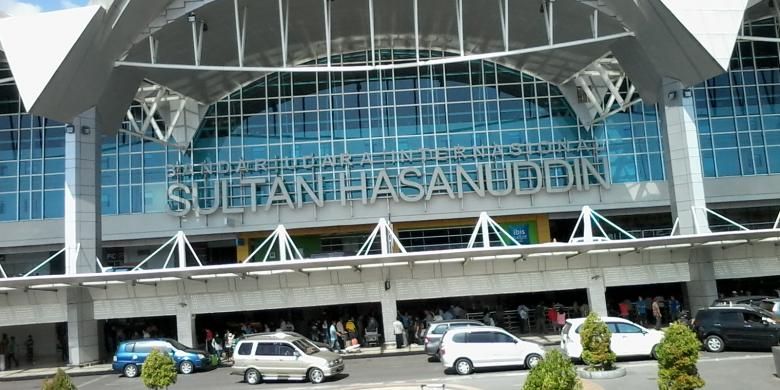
297, 354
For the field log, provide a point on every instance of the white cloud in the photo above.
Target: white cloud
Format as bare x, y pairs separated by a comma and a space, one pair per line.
16, 7
68, 4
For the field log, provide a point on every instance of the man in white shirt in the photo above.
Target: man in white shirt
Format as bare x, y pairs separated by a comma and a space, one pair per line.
398, 329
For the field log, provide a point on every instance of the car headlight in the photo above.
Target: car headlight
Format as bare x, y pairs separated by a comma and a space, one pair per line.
201, 356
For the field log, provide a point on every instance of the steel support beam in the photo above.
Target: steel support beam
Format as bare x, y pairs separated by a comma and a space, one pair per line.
362, 68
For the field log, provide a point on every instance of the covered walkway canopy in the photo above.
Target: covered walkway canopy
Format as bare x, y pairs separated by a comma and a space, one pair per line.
410, 259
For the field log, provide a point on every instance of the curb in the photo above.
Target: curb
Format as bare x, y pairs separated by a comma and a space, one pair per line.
382, 355
16, 378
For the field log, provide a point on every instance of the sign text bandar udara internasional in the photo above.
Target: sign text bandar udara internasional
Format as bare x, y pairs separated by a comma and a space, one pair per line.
399, 183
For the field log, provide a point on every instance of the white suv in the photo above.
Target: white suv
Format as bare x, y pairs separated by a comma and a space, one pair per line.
486, 346
628, 338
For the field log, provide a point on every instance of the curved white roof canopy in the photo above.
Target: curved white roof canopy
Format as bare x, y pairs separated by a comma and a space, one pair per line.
68, 61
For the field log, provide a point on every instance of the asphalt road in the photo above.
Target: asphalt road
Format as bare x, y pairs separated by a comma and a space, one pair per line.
725, 371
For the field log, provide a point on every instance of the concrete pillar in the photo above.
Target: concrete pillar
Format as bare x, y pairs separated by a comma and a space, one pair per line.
389, 314
597, 298
83, 343
82, 195
682, 158
702, 289
82, 233
185, 328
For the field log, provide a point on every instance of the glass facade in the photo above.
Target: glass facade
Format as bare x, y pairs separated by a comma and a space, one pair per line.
387, 114
738, 113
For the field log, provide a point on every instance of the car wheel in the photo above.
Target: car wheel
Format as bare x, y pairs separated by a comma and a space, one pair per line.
252, 376
316, 376
714, 343
463, 366
654, 352
131, 371
532, 360
186, 367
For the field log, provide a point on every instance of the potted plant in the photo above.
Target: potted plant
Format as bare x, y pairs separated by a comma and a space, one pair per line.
555, 372
677, 357
596, 351
159, 371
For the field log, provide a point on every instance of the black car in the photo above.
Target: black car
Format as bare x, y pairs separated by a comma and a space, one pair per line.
752, 300
744, 326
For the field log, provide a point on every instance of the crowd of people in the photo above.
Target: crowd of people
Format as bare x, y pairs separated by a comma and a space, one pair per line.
650, 311
8, 348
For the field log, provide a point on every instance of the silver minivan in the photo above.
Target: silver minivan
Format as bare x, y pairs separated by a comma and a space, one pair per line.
278, 356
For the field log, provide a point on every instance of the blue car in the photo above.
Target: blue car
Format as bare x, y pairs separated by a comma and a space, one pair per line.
130, 356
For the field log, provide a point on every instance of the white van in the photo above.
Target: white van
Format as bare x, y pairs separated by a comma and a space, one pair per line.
628, 338
486, 346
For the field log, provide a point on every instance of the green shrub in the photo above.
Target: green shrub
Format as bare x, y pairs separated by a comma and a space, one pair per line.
60, 381
555, 372
677, 357
596, 337
159, 371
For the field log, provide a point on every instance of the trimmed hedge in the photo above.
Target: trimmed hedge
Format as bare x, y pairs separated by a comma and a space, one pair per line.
555, 372
678, 354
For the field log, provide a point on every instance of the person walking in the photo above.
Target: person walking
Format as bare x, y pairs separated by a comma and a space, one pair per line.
333, 336
10, 353
398, 330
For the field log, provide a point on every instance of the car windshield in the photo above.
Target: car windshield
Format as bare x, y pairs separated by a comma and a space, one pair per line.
177, 345
306, 346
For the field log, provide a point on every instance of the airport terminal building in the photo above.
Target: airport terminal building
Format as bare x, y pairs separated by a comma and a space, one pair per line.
292, 157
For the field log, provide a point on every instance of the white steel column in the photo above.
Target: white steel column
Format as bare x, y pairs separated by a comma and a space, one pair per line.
82, 195
682, 158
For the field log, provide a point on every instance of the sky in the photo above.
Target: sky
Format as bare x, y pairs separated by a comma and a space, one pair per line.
25, 7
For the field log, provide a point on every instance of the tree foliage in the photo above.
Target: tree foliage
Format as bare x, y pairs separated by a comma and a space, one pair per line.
555, 372
159, 371
596, 338
677, 357
60, 381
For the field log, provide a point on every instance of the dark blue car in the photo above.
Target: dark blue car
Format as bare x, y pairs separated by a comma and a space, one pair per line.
130, 356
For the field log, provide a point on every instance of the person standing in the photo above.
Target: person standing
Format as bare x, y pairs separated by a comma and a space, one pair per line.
522, 314
584, 310
4, 349
29, 346
539, 313
674, 308
625, 308
657, 313
398, 330
641, 310
209, 338
229, 336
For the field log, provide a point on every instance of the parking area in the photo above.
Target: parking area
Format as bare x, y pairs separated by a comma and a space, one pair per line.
726, 371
